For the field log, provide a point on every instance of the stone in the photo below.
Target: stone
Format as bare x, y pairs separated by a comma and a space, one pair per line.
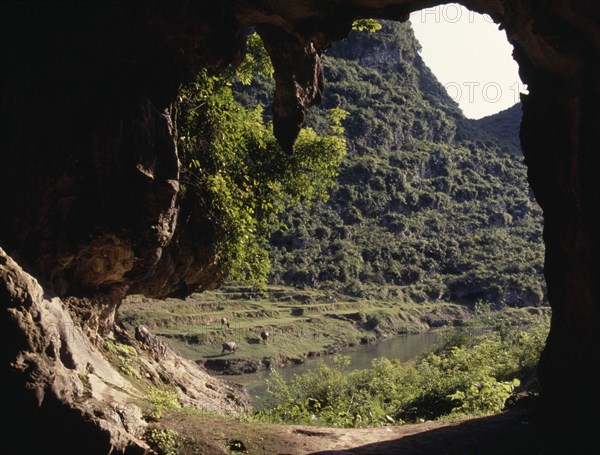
61, 381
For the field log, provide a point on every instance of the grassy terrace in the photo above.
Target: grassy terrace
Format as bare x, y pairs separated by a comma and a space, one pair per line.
300, 322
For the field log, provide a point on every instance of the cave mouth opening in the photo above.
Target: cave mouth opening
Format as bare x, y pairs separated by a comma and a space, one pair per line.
498, 218
502, 218
80, 93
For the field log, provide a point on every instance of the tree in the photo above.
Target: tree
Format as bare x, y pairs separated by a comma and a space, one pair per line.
234, 165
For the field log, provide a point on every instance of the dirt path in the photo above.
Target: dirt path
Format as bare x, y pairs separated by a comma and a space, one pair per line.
514, 432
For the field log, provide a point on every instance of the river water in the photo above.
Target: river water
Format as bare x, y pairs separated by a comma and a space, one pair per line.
403, 347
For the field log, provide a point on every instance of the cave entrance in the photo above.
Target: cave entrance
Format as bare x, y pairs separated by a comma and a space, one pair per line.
431, 205
426, 209
90, 177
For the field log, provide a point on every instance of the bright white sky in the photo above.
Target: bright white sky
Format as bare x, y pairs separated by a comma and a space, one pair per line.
470, 57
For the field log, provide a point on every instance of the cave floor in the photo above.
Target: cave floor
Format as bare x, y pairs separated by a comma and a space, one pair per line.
518, 431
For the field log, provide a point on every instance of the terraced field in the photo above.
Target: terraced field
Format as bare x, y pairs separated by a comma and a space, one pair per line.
301, 323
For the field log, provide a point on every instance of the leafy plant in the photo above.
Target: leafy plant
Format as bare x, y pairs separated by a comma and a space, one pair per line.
369, 25
487, 395
474, 378
237, 170
164, 441
162, 400
126, 356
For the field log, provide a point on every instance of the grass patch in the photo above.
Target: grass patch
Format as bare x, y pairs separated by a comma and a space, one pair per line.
164, 441
126, 357
162, 400
299, 321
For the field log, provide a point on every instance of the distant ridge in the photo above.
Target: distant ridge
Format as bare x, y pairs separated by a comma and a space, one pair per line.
429, 204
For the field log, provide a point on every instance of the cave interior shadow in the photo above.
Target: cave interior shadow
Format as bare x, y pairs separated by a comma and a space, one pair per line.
518, 431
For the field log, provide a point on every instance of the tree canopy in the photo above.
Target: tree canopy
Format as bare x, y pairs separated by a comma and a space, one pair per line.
235, 166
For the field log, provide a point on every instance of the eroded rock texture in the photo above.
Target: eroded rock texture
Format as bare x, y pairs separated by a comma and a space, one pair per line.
60, 385
90, 195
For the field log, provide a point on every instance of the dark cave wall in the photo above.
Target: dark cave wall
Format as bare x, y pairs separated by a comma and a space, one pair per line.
558, 55
89, 172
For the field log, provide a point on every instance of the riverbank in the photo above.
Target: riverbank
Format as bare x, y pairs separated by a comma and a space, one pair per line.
404, 348
301, 324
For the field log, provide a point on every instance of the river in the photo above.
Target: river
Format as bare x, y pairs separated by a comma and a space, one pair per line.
403, 347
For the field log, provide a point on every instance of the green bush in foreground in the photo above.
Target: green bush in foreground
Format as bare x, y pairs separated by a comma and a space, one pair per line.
164, 441
473, 378
162, 400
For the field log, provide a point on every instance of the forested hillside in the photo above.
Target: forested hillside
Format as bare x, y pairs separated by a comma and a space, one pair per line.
428, 205
500, 130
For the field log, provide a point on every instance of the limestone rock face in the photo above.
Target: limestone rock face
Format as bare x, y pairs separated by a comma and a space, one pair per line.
55, 369
90, 192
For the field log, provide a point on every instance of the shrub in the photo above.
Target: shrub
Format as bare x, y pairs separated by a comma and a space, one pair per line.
126, 356
236, 173
466, 377
162, 400
164, 441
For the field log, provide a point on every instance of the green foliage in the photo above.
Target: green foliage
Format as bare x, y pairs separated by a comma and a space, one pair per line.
426, 201
489, 395
256, 62
164, 441
120, 349
126, 356
237, 172
475, 378
162, 400
369, 25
